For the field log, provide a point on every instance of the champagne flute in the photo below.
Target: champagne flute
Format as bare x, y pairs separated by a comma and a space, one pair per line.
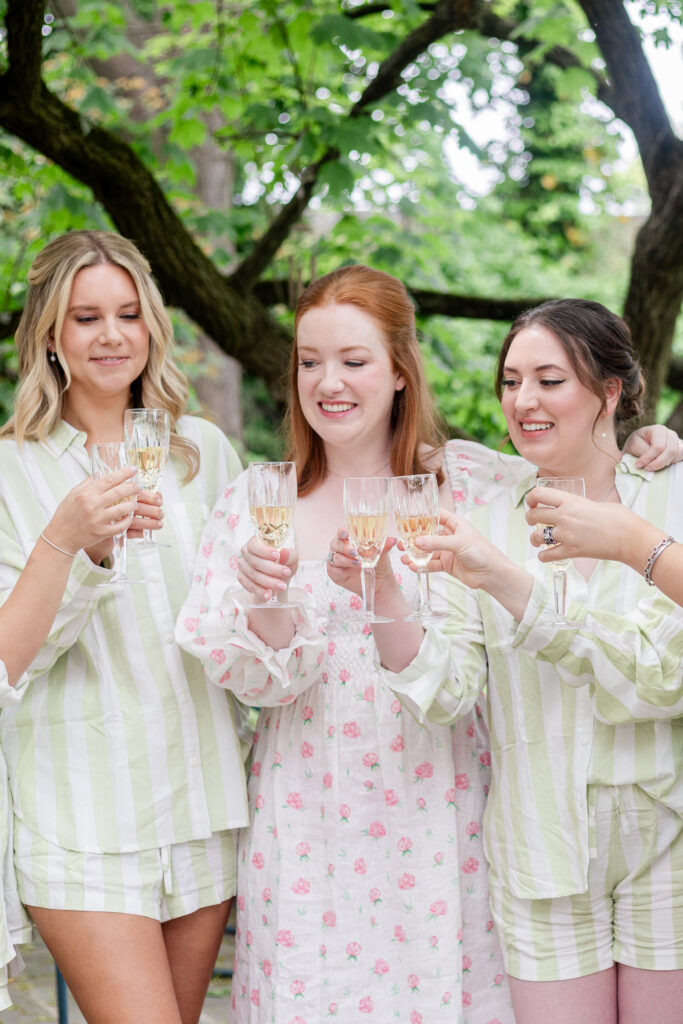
150, 431
272, 496
105, 458
572, 485
416, 511
366, 507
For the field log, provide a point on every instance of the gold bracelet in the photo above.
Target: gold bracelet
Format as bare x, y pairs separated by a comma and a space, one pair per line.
71, 554
662, 545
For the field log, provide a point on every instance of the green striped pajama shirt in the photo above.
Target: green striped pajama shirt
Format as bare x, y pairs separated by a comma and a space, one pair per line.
550, 740
118, 745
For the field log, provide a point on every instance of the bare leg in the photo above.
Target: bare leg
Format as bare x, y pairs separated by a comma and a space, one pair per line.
593, 998
192, 944
649, 995
115, 965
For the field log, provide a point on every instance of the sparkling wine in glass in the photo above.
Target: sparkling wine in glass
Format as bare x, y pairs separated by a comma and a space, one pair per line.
272, 497
106, 458
572, 485
150, 431
367, 504
416, 511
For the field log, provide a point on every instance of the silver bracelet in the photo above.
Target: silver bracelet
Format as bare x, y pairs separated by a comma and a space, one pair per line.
662, 545
71, 554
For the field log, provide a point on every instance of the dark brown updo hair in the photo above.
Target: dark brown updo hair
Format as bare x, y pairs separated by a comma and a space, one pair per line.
598, 345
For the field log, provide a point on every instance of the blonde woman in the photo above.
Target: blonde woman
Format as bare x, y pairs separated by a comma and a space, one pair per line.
93, 511
125, 768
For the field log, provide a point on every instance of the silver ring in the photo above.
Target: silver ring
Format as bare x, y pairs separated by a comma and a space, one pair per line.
548, 535
330, 557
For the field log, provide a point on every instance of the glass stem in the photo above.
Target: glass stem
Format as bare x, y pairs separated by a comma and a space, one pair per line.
423, 605
118, 555
367, 579
560, 592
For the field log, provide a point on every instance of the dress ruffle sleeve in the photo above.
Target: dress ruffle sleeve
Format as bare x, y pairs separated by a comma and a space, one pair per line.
477, 474
213, 623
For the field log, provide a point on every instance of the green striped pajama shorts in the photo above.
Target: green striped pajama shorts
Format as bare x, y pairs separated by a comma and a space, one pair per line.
632, 911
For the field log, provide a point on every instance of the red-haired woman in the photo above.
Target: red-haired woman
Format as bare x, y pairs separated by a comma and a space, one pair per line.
362, 884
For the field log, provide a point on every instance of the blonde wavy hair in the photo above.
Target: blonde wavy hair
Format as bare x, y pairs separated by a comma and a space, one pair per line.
43, 384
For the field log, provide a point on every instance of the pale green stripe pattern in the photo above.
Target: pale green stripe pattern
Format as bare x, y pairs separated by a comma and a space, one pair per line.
548, 739
119, 744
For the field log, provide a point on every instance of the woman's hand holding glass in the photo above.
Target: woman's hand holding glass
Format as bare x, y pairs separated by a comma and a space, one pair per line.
462, 552
92, 512
272, 498
581, 528
264, 571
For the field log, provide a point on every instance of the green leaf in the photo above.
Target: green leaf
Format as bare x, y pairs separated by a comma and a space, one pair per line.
338, 177
188, 133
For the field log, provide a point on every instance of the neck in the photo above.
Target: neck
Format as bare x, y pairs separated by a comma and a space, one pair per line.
100, 419
345, 463
597, 471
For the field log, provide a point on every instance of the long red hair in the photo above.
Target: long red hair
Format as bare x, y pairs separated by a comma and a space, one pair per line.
413, 418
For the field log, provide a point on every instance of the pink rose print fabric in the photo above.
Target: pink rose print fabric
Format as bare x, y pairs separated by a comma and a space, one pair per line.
362, 883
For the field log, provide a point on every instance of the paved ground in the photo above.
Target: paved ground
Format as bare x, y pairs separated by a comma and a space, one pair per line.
35, 1001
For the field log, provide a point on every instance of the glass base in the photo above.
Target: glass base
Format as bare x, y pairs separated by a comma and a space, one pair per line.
360, 618
148, 545
275, 605
427, 616
118, 579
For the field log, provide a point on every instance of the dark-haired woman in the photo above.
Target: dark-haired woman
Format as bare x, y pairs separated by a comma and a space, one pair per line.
583, 829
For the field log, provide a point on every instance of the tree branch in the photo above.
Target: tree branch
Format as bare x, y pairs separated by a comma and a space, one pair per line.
24, 22
274, 292
121, 182
253, 265
447, 16
634, 95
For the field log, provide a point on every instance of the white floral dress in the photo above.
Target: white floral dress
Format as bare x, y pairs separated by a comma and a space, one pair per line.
362, 885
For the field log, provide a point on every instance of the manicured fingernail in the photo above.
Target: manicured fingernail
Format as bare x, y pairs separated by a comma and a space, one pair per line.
281, 586
344, 535
286, 572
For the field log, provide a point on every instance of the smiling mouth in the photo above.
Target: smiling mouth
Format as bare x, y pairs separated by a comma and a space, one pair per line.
109, 359
337, 406
535, 428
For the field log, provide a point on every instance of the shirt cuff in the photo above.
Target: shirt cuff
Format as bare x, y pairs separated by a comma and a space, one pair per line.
8, 694
418, 685
538, 633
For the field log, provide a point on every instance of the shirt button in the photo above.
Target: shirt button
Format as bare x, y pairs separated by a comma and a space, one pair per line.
169, 638
583, 740
194, 761
184, 698
154, 577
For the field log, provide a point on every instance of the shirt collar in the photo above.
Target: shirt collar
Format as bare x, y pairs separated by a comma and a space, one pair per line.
62, 437
628, 478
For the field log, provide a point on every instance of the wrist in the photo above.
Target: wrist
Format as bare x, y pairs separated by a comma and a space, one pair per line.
57, 547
